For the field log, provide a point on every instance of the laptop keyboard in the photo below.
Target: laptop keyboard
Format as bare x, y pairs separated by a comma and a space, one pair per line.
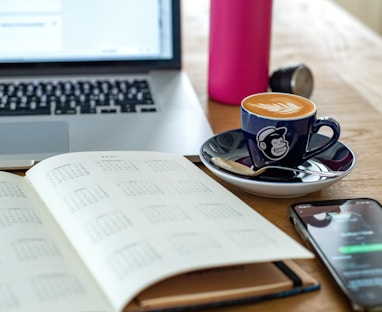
80, 97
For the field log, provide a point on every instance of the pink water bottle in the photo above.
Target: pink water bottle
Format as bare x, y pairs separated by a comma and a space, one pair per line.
240, 35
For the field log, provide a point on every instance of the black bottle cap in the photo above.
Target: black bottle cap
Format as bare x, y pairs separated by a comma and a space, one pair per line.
296, 79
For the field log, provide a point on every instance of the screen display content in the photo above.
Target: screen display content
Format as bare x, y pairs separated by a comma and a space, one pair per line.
70, 30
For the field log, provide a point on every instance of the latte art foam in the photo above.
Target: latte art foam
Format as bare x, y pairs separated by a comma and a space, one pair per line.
276, 105
280, 108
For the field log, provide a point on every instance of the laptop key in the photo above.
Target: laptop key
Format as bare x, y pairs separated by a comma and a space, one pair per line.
149, 110
128, 108
108, 110
68, 111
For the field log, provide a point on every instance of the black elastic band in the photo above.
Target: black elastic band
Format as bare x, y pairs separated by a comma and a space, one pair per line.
297, 282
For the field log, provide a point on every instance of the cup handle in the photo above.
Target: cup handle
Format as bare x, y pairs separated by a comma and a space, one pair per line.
321, 122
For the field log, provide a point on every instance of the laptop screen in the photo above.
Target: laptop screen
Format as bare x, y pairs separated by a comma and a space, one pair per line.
57, 33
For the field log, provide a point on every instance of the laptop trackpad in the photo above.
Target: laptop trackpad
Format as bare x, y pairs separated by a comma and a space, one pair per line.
34, 138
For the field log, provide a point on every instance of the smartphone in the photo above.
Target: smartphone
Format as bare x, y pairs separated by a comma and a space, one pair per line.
347, 236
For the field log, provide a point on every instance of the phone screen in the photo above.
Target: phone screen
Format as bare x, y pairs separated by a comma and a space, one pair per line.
347, 234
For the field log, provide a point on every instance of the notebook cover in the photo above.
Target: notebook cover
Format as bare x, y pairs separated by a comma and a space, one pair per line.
225, 286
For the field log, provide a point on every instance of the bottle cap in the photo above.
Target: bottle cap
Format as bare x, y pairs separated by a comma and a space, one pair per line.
296, 79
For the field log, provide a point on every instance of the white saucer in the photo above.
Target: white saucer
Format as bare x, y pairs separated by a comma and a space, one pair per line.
231, 145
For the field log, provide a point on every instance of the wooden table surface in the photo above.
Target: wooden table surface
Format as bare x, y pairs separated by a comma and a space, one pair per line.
345, 58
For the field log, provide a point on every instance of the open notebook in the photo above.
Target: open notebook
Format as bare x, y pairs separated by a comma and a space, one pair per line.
94, 75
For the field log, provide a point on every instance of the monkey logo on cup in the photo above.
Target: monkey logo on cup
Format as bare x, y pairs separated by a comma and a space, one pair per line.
271, 141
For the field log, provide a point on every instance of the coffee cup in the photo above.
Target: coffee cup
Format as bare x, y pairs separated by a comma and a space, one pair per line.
277, 128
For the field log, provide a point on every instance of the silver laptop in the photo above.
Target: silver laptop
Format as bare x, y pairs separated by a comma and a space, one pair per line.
94, 75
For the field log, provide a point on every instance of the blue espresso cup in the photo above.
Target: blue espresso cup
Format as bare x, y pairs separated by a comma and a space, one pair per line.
277, 128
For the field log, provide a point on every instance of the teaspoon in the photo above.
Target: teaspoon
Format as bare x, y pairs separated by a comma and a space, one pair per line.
244, 170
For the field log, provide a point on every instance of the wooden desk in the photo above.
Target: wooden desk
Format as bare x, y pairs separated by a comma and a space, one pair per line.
345, 58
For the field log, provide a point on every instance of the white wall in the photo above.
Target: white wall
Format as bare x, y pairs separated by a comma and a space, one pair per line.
368, 11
